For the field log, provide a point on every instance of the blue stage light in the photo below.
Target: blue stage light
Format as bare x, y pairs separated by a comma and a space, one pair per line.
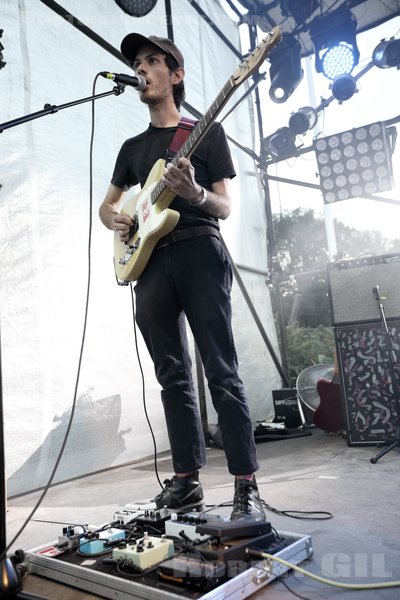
334, 39
338, 60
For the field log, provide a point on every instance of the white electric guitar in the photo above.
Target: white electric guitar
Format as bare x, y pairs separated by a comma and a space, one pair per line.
148, 209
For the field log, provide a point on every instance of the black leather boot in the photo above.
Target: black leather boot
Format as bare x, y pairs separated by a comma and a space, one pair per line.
181, 493
246, 501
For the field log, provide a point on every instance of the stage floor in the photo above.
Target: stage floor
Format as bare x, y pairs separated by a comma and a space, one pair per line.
314, 473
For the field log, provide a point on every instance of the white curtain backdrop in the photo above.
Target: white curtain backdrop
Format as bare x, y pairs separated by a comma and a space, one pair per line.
45, 218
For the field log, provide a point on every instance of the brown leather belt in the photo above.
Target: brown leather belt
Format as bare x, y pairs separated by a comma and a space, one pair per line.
186, 234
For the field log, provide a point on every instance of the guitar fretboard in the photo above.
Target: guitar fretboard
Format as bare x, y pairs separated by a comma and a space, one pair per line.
198, 132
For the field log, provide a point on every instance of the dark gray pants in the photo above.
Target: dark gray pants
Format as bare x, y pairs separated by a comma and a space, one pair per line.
194, 277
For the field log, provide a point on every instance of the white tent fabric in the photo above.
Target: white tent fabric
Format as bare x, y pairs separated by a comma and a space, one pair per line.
44, 215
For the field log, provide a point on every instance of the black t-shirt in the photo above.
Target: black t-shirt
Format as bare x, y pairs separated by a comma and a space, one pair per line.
211, 160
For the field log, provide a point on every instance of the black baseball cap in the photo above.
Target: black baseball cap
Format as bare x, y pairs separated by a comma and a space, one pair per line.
132, 43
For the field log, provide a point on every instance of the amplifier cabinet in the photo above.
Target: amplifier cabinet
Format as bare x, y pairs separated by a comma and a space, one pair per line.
368, 388
350, 288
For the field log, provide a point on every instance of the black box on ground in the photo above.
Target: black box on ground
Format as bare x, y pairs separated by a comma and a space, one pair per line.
286, 407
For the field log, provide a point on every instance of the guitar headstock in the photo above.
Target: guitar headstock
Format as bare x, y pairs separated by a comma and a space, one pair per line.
257, 57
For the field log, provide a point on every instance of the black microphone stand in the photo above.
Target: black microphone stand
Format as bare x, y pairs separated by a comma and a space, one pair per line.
393, 363
52, 108
12, 568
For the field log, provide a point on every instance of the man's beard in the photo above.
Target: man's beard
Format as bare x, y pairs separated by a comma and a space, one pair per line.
154, 101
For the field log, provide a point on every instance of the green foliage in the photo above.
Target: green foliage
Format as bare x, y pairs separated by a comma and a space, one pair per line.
301, 243
308, 346
302, 255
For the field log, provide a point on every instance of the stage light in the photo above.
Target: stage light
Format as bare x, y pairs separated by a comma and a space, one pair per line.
355, 162
280, 145
387, 54
136, 8
285, 71
335, 46
303, 120
343, 88
300, 11
338, 60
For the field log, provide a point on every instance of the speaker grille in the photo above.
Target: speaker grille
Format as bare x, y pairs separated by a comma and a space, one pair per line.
350, 284
368, 389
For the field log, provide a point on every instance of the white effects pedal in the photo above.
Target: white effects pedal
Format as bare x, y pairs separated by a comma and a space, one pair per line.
185, 524
133, 510
145, 552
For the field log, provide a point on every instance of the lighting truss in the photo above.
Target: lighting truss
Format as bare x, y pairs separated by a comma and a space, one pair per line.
299, 11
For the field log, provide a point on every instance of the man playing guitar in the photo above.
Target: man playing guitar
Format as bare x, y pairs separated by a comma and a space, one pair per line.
188, 274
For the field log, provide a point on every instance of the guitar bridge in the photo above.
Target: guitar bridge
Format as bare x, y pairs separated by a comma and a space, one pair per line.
130, 250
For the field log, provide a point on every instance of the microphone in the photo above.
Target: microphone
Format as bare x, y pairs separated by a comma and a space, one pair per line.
376, 293
136, 81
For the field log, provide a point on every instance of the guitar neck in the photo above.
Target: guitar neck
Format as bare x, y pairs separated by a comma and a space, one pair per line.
201, 128
248, 66
198, 132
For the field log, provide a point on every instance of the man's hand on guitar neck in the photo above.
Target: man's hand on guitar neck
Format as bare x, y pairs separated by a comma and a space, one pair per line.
180, 179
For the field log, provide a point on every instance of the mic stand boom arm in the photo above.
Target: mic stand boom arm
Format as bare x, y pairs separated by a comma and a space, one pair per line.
52, 108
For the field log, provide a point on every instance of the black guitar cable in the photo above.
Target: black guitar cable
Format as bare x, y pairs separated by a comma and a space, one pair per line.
144, 387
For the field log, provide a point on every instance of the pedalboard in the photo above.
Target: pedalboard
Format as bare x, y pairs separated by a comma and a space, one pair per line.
165, 575
144, 552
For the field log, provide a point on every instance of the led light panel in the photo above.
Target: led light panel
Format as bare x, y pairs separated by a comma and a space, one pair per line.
354, 163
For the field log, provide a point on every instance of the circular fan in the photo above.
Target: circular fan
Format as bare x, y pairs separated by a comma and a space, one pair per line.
306, 384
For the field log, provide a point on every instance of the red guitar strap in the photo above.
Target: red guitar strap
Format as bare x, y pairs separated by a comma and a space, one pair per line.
185, 126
